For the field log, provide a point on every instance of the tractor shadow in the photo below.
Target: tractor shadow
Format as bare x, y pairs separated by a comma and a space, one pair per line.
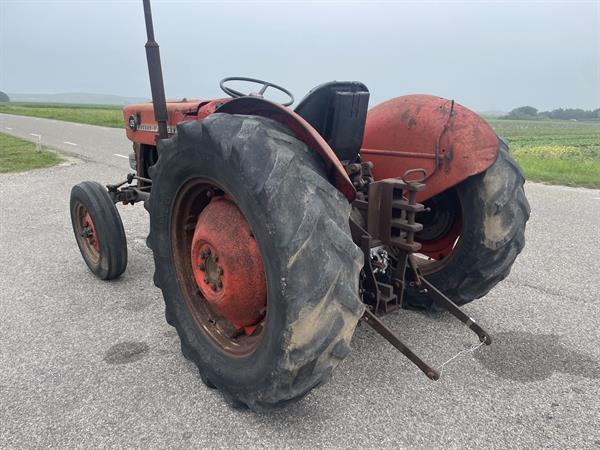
526, 357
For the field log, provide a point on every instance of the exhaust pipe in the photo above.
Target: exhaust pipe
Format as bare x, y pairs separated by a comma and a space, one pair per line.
157, 86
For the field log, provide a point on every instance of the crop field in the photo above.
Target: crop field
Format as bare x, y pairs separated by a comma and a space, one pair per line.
554, 151
106, 116
550, 151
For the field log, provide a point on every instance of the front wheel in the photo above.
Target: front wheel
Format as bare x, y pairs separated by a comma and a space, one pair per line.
98, 230
473, 233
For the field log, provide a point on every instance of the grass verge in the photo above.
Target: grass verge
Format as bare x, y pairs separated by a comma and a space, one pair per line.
555, 151
106, 116
17, 155
560, 171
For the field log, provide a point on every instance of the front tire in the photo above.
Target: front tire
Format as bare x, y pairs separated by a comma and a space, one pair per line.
300, 222
493, 212
98, 230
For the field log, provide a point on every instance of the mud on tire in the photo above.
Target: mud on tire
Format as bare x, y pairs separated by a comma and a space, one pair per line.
494, 213
300, 222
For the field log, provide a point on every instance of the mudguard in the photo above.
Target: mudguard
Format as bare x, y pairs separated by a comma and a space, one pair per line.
301, 128
446, 139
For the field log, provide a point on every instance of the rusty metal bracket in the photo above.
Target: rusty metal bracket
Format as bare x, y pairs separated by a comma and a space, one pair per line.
445, 303
392, 209
372, 320
131, 194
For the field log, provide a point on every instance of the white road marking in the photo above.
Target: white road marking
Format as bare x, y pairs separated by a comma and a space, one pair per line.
35, 135
70, 143
8, 128
121, 156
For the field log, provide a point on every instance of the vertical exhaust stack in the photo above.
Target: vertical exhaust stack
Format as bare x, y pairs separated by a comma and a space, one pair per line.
156, 79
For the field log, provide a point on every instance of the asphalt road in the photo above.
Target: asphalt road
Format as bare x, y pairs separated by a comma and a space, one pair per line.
86, 363
107, 146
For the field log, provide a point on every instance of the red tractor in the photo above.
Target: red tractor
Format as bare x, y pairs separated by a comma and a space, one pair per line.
274, 231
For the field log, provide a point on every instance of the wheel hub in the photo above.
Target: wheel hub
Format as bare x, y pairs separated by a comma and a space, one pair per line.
227, 265
210, 266
89, 231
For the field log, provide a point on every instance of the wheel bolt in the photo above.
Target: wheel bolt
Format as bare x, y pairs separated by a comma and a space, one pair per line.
220, 270
215, 258
202, 267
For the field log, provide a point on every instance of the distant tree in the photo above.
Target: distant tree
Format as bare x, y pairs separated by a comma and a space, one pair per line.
523, 112
529, 112
4, 97
571, 114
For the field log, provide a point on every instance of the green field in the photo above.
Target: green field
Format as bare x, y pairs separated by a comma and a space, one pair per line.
17, 155
551, 151
107, 116
554, 151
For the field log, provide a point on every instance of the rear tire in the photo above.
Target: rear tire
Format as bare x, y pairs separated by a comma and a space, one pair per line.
300, 222
494, 214
100, 237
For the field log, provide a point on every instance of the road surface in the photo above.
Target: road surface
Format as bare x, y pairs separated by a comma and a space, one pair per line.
107, 146
86, 363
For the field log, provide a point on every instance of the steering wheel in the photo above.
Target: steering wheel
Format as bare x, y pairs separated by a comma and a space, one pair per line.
265, 85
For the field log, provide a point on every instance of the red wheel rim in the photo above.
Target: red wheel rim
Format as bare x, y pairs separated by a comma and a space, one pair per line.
441, 230
86, 233
89, 226
219, 267
442, 247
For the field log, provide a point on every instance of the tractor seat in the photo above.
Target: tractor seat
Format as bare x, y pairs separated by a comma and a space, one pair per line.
338, 111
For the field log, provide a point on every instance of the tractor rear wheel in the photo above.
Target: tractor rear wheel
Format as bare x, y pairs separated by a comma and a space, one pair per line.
474, 233
98, 230
253, 255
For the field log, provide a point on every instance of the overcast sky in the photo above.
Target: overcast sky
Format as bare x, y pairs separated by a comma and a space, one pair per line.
486, 55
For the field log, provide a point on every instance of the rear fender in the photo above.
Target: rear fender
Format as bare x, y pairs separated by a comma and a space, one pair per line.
301, 129
446, 139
